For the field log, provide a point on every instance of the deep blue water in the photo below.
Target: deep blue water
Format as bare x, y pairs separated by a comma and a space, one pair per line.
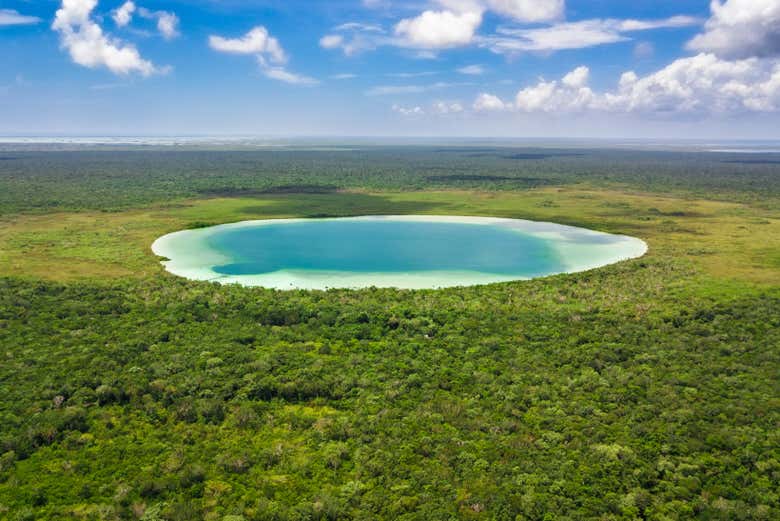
383, 246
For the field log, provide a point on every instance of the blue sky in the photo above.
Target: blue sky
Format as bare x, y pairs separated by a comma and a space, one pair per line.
536, 68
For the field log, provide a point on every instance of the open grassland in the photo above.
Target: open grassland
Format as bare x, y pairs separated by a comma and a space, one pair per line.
644, 390
727, 240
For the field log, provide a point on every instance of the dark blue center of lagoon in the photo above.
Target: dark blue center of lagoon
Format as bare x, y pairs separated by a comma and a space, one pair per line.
383, 246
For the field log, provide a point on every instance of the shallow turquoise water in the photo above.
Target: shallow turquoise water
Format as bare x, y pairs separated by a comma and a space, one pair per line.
383, 246
411, 252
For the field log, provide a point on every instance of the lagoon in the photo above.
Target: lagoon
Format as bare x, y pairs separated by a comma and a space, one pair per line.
408, 252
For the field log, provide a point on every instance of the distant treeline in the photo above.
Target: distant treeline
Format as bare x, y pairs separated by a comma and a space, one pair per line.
116, 179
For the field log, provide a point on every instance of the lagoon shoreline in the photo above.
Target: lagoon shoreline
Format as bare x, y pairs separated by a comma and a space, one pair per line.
189, 254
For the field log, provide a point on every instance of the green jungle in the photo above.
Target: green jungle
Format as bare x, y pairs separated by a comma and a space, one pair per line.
646, 390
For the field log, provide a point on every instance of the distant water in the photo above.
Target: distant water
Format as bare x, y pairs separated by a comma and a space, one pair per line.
745, 150
392, 251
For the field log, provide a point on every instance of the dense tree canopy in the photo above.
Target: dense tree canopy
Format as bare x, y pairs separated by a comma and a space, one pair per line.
644, 390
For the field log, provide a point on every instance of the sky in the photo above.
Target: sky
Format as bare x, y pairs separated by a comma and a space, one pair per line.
670, 69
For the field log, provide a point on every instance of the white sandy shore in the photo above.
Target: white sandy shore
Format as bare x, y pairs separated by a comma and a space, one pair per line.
581, 249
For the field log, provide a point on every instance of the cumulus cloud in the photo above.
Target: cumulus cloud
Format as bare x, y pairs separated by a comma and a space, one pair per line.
701, 84
488, 102
87, 45
575, 35
266, 49
577, 78
570, 94
443, 107
455, 23
529, 10
438, 29
167, 22
124, 14
737, 67
12, 17
532, 11
257, 41
408, 111
741, 29
437, 108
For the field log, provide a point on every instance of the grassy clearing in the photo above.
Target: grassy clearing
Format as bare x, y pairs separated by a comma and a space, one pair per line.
726, 240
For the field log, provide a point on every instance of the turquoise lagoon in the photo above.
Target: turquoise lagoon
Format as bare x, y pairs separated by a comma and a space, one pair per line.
410, 252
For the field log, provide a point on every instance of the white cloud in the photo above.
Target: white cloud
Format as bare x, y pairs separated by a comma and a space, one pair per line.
575, 35
454, 23
408, 111
532, 11
664, 23
344, 76
331, 41
571, 94
699, 85
359, 27
124, 14
89, 46
282, 74
387, 90
167, 22
529, 10
741, 29
488, 102
439, 108
438, 29
257, 41
577, 78
443, 107
472, 70
12, 17
353, 38
269, 53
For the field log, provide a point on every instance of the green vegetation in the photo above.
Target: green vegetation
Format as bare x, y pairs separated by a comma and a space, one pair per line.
98, 179
645, 390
